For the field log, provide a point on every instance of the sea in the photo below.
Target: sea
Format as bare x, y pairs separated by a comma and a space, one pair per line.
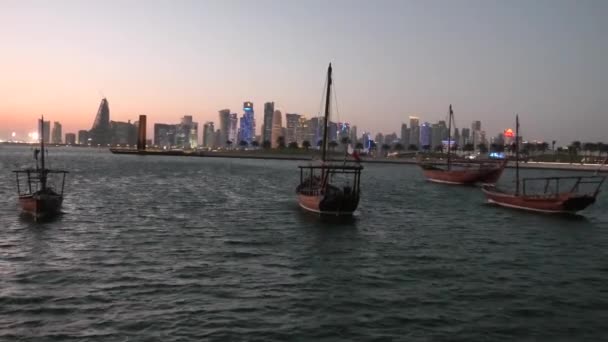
155, 248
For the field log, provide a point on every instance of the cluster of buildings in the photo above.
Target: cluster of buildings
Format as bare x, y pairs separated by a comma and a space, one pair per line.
277, 130
234, 131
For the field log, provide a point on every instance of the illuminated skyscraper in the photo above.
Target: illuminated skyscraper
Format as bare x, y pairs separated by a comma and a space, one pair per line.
292, 123
414, 131
247, 124
268, 114
426, 135
233, 129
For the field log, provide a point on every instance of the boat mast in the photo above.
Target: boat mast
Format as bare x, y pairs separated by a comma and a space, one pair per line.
326, 120
42, 141
450, 136
516, 155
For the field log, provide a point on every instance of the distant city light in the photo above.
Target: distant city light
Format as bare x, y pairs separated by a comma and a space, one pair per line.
13, 134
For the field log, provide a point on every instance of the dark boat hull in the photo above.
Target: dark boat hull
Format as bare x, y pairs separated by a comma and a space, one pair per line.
334, 205
564, 203
468, 176
41, 206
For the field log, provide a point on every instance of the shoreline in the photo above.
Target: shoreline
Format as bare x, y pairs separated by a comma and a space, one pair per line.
364, 160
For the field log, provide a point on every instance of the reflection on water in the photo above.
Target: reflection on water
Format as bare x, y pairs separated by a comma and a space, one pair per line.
190, 249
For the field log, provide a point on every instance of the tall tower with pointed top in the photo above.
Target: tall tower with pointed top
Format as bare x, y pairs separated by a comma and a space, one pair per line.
100, 132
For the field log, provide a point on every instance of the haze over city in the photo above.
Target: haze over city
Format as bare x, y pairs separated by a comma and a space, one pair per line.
392, 59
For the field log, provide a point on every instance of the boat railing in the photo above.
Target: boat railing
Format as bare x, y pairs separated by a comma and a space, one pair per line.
546, 187
34, 178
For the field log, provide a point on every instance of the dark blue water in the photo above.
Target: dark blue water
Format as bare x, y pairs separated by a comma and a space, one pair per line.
193, 249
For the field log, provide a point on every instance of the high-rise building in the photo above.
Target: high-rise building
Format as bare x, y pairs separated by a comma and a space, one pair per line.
367, 141
277, 125
426, 135
343, 130
224, 127
390, 139
186, 133
315, 130
123, 133
218, 139
353, 135
414, 130
405, 135
303, 132
332, 132
70, 139
164, 135
292, 125
46, 131
465, 136
233, 130
476, 126
100, 132
456, 137
247, 124
56, 134
208, 134
379, 140
268, 116
83, 137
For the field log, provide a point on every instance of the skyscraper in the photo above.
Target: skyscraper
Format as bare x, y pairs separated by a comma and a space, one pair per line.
83, 137
292, 123
302, 133
70, 139
414, 130
164, 135
56, 134
465, 137
247, 123
405, 135
233, 129
123, 133
224, 127
186, 133
426, 135
353, 135
268, 114
277, 125
46, 130
208, 134
100, 132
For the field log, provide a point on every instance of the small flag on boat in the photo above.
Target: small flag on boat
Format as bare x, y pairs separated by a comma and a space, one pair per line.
356, 156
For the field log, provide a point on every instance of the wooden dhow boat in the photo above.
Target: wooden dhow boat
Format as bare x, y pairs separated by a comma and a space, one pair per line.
461, 172
37, 196
552, 195
329, 188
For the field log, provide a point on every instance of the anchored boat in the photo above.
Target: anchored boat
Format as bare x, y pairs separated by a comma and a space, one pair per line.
38, 197
461, 172
329, 188
553, 195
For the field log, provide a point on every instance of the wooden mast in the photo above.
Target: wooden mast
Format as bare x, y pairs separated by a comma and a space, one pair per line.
450, 137
43, 170
326, 120
516, 155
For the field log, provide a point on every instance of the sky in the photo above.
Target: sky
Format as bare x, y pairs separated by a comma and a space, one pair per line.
544, 60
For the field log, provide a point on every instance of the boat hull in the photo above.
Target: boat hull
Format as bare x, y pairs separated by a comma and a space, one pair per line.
41, 206
564, 203
467, 176
339, 205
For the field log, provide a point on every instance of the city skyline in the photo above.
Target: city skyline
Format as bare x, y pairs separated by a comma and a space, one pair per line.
394, 59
